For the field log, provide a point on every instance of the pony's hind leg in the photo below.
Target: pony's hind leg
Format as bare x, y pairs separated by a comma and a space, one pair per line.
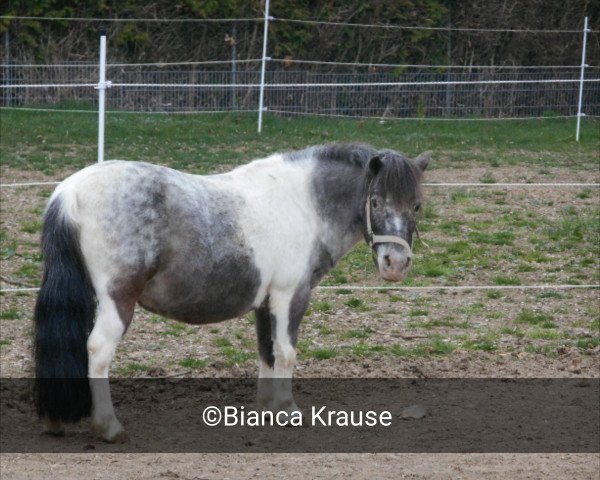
111, 322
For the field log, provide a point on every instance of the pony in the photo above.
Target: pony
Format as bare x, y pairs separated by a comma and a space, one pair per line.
203, 249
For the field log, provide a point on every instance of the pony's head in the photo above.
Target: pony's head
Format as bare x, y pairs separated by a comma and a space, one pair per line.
392, 202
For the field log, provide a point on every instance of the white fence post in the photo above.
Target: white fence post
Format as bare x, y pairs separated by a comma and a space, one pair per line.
101, 87
583, 65
261, 97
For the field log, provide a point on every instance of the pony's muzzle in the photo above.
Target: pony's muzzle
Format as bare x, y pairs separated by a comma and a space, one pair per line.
393, 262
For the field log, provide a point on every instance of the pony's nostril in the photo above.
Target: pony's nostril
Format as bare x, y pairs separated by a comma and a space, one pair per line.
408, 261
388, 262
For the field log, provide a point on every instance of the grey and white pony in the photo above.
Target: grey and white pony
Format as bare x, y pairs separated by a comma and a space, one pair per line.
203, 249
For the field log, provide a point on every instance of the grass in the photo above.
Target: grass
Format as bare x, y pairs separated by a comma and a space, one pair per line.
193, 363
544, 334
444, 322
10, 314
531, 317
506, 280
323, 353
132, 369
486, 343
31, 226
321, 306
200, 143
435, 347
222, 342
357, 304
177, 329
358, 333
366, 350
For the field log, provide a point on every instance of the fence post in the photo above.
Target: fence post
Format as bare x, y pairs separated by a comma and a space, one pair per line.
583, 65
234, 67
7, 79
261, 97
101, 87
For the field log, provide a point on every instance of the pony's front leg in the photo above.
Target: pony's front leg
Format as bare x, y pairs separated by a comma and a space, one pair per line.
102, 344
277, 322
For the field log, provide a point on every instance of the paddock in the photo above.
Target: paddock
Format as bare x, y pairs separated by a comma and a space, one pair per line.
505, 275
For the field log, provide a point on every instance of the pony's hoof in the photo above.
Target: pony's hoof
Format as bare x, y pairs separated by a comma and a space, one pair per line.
111, 435
121, 437
53, 427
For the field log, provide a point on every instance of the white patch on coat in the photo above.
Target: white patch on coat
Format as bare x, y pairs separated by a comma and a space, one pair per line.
278, 219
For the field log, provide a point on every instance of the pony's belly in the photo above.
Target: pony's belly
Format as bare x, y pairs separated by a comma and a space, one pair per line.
205, 299
196, 314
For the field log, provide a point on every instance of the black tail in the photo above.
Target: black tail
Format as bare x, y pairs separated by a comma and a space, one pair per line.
64, 317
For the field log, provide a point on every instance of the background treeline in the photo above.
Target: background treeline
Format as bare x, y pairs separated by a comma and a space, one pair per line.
73, 41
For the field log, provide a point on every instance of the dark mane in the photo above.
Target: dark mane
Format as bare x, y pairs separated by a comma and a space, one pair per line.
398, 177
356, 154
353, 153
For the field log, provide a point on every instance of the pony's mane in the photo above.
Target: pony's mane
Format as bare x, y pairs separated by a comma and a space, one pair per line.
398, 176
357, 154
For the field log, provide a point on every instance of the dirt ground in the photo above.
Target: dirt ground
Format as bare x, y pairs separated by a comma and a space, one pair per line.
149, 344
313, 466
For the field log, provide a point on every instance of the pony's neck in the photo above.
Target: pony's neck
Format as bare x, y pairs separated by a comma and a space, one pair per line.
339, 192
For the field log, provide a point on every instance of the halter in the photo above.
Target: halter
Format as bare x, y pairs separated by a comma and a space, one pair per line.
373, 239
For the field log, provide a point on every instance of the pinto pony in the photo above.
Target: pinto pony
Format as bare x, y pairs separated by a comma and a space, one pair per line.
203, 249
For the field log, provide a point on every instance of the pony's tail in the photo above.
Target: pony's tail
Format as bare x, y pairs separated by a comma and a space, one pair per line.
64, 317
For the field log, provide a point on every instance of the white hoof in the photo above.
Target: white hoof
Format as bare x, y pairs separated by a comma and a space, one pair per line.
111, 431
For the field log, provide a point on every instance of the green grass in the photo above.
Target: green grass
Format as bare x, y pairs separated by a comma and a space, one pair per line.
324, 329
366, 350
200, 143
358, 333
357, 304
434, 347
586, 193
531, 317
222, 342
445, 322
486, 343
487, 177
544, 334
31, 226
177, 329
321, 306
236, 356
506, 280
10, 314
132, 369
418, 313
494, 294
495, 238
517, 332
588, 343
323, 353
193, 363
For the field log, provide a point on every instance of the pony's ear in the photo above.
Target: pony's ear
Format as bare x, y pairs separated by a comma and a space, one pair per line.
375, 165
423, 160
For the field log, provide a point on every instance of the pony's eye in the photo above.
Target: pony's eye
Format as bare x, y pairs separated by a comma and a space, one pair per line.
417, 207
374, 203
